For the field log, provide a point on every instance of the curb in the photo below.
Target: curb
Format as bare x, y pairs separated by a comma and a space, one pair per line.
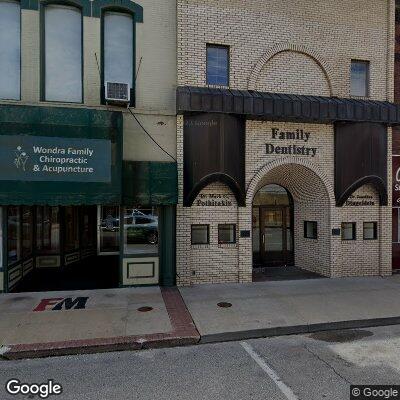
184, 333
298, 329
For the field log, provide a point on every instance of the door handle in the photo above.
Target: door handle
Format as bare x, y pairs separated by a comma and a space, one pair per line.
263, 238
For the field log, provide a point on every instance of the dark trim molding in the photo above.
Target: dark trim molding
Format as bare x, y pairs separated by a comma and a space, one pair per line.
122, 5
285, 107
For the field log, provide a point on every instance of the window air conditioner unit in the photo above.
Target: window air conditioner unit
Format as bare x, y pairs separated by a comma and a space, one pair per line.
117, 92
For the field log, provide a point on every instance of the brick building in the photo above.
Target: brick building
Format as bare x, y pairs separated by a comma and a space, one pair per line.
87, 199
284, 133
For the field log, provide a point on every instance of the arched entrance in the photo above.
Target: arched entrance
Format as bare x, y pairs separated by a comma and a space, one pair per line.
272, 218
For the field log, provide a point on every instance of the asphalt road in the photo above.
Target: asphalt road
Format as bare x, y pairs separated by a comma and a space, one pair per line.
308, 367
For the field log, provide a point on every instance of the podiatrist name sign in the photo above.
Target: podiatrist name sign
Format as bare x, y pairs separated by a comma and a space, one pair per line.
39, 158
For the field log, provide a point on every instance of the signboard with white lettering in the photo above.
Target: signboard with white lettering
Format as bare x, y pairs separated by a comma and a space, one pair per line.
40, 158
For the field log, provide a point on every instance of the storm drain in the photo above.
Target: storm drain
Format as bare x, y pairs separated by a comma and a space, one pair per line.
145, 309
224, 304
343, 336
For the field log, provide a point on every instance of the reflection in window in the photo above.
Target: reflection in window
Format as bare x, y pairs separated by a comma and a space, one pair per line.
217, 65
348, 231
200, 234
310, 229
63, 53
10, 50
47, 230
14, 234
118, 48
370, 230
109, 229
226, 233
359, 78
27, 232
141, 230
71, 229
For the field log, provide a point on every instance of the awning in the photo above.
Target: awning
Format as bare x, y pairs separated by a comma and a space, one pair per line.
60, 156
285, 107
149, 183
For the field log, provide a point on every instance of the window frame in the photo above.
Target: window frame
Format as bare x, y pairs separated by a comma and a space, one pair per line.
375, 224
191, 234
315, 230
354, 237
220, 46
367, 78
20, 50
122, 10
43, 5
234, 234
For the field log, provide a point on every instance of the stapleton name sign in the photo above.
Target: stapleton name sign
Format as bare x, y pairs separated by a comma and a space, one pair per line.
293, 149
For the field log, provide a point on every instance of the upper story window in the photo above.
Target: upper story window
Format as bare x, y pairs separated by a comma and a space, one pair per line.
118, 46
62, 53
359, 78
217, 65
10, 50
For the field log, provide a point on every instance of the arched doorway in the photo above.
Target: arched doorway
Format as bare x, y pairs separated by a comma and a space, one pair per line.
273, 227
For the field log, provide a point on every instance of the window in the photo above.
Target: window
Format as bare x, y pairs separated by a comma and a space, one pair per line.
14, 235
348, 231
141, 230
27, 232
10, 50
226, 233
370, 231
310, 229
200, 234
63, 54
217, 65
71, 234
109, 229
118, 48
359, 78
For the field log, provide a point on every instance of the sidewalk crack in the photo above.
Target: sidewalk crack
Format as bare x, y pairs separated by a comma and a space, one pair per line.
327, 364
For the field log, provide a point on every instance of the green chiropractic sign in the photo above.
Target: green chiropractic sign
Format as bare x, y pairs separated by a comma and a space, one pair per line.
39, 158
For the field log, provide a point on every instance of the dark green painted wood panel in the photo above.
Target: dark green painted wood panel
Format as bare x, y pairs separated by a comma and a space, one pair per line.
167, 228
150, 183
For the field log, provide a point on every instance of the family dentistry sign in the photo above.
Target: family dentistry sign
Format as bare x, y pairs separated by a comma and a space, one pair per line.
295, 149
39, 158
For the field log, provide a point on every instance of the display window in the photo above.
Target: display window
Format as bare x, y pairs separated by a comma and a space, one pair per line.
71, 229
14, 235
27, 232
47, 230
141, 230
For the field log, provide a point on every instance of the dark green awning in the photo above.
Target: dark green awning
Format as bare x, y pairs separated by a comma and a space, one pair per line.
23, 127
150, 183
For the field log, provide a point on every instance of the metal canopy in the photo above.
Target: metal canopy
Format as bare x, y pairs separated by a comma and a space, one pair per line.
285, 107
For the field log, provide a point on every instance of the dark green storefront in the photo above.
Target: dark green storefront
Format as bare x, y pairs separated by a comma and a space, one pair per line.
71, 159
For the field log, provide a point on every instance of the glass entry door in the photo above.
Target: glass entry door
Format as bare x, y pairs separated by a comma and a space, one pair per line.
276, 236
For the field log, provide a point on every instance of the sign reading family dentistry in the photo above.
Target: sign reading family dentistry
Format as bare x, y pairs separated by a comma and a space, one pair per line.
299, 135
39, 158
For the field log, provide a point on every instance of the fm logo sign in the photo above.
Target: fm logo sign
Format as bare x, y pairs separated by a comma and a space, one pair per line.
61, 303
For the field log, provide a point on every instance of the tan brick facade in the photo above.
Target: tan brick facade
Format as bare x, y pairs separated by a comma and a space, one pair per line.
299, 48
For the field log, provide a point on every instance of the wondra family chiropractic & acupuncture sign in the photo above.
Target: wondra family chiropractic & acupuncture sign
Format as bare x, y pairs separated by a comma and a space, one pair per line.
39, 158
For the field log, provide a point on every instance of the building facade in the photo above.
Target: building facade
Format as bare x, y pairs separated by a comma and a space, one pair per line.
85, 177
284, 137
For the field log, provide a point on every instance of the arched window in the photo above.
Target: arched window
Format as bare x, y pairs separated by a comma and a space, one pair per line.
10, 50
62, 53
118, 47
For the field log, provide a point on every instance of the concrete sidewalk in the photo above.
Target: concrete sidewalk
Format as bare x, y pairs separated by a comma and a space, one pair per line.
288, 307
55, 323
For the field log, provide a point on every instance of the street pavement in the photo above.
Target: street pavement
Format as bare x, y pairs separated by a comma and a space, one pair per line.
309, 367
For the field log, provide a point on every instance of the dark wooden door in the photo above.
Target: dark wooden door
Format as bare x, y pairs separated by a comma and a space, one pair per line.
276, 235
